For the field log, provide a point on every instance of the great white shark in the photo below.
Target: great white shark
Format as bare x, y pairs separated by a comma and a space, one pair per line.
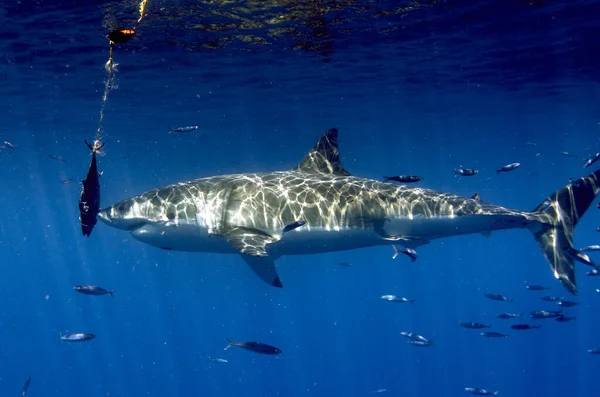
320, 207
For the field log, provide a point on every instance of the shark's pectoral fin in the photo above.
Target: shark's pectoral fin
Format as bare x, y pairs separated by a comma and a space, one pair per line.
247, 241
252, 244
264, 267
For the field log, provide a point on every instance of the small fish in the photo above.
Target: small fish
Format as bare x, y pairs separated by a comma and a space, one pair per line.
592, 160
57, 158
492, 334
594, 351
476, 197
567, 154
590, 248
497, 297
411, 253
92, 290
598, 228
522, 327
256, 347
183, 129
509, 167
413, 336
294, 225
552, 298
403, 178
218, 360
564, 319
379, 391
567, 303
579, 256
66, 181
543, 314
536, 287
421, 343
530, 144
465, 171
474, 325
398, 299
480, 392
8, 146
25, 387
593, 273
345, 264
509, 315
77, 337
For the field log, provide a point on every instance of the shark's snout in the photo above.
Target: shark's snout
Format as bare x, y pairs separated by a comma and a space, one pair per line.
115, 216
104, 216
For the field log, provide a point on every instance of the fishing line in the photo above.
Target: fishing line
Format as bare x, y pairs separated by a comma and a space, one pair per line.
117, 36
89, 199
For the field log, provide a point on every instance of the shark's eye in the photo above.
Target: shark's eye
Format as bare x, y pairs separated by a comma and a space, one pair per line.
123, 207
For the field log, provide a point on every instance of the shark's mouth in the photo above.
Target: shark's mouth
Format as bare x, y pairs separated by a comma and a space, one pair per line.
128, 224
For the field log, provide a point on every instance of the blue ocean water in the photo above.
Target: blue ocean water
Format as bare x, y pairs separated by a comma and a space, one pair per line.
414, 88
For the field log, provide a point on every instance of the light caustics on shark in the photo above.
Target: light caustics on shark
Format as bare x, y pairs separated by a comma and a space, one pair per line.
248, 213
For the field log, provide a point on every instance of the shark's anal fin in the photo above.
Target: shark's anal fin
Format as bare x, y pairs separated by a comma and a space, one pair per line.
252, 244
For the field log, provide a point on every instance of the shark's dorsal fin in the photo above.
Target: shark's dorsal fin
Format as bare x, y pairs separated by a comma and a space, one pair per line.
324, 157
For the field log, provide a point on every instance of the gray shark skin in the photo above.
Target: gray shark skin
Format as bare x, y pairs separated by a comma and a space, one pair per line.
247, 213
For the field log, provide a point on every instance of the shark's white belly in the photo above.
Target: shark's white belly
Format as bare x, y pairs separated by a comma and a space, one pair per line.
191, 238
313, 240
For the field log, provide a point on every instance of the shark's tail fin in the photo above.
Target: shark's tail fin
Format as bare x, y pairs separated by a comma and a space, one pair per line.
560, 213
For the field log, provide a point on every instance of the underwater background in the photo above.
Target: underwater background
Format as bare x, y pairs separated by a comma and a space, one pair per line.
418, 88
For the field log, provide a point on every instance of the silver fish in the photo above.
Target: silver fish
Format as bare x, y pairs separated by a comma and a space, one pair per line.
183, 129
480, 392
542, 314
590, 248
498, 297
592, 160
509, 167
579, 256
465, 171
77, 337
492, 334
421, 343
411, 253
25, 387
413, 336
398, 299
509, 315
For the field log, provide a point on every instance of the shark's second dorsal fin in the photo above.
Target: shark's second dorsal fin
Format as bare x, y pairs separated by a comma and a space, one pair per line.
324, 157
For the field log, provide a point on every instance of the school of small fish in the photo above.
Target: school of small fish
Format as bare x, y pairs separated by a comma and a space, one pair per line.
412, 338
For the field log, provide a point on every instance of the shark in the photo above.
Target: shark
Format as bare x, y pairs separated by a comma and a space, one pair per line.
318, 207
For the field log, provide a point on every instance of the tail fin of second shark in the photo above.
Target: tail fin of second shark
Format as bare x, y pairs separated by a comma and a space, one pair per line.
561, 213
